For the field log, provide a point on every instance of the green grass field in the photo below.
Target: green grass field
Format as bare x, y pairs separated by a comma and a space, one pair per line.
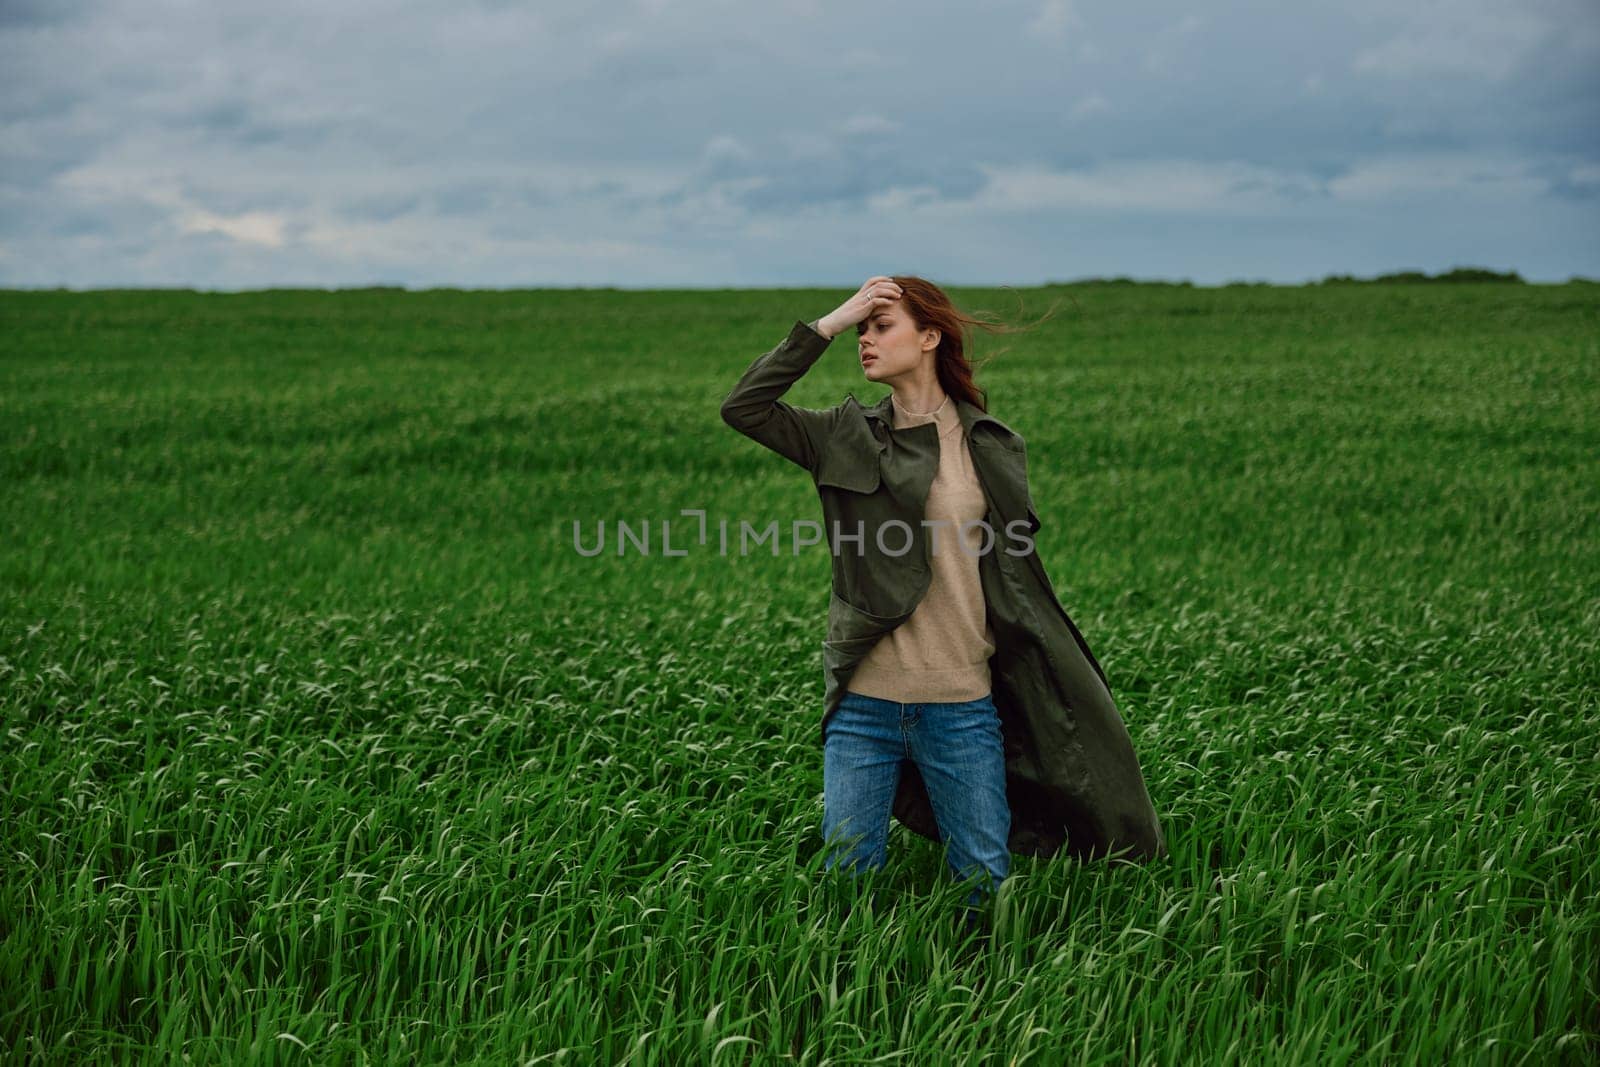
324, 745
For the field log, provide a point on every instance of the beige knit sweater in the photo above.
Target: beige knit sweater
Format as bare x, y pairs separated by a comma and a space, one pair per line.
941, 653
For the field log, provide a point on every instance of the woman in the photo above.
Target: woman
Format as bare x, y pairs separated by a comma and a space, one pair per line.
959, 696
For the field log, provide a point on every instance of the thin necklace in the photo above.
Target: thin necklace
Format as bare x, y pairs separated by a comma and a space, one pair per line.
921, 414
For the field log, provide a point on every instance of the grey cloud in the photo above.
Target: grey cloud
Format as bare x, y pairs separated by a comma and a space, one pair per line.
1300, 188
847, 182
379, 207
29, 14
123, 222
37, 160
23, 100
685, 141
237, 121
773, 180
1566, 181
642, 69
465, 198
209, 195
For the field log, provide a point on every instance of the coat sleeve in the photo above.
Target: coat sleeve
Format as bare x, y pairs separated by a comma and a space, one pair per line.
753, 408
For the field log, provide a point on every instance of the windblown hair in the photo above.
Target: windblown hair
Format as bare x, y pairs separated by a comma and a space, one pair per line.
930, 307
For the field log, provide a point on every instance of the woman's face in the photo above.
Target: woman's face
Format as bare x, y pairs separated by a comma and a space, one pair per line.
889, 344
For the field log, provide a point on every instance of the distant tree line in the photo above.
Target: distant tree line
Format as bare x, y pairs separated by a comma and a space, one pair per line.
1457, 274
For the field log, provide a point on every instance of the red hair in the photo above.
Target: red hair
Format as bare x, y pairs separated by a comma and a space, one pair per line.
929, 307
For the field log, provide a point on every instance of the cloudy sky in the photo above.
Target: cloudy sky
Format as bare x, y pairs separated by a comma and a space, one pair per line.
642, 143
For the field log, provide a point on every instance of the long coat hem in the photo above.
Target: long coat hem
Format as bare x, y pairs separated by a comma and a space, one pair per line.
1073, 781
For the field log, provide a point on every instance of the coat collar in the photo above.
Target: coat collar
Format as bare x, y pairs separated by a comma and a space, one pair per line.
971, 415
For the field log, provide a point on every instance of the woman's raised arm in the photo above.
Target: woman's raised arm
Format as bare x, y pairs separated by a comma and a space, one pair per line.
754, 408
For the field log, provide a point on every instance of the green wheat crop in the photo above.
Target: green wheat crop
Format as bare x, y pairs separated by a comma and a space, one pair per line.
323, 744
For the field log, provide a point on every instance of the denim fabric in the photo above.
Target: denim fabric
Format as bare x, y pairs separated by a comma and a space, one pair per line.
956, 748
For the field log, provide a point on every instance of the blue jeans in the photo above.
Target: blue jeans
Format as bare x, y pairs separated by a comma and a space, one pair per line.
957, 749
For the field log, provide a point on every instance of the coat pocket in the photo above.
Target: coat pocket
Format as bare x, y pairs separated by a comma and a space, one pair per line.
850, 627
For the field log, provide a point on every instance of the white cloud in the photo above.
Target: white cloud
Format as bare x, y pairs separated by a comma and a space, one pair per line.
233, 143
252, 227
1144, 186
726, 147
713, 206
1585, 174
1055, 18
1411, 176
1093, 104
868, 124
1169, 41
1465, 38
803, 144
900, 198
410, 240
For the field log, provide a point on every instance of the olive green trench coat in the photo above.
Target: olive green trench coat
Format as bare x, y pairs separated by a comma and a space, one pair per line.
1072, 779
